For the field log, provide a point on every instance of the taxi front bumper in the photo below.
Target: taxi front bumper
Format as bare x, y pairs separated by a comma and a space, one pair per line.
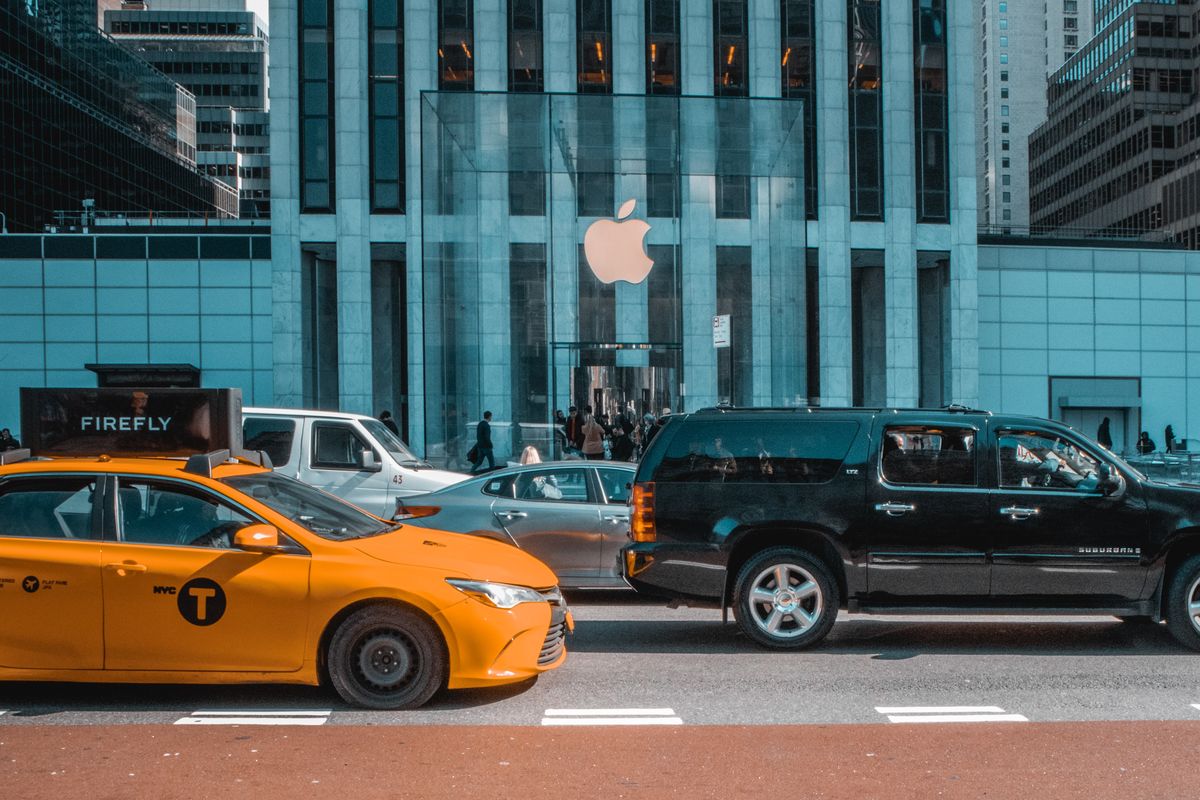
494, 646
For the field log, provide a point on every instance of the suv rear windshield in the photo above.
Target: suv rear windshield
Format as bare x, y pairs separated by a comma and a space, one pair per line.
757, 451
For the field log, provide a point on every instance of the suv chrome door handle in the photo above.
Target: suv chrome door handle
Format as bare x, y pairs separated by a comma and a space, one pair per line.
895, 509
513, 514
1018, 512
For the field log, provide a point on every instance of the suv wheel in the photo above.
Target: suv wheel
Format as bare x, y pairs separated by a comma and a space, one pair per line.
1183, 603
385, 657
785, 598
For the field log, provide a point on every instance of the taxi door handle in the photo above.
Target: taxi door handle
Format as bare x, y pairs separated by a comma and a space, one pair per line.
126, 568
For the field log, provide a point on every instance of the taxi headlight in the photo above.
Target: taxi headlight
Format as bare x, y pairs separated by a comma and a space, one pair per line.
500, 595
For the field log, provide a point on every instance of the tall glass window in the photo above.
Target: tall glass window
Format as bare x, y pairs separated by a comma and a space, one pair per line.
525, 46
316, 106
662, 46
798, 67
593, 21
731, 40
528, 318
386, 75
456, 45
932, 110
735, 367
866, 110
319, 325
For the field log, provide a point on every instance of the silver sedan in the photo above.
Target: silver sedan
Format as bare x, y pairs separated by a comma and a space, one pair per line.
570, 514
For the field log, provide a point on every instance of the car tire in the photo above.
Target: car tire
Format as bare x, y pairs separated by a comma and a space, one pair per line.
785, 618
1183, 613
387, 658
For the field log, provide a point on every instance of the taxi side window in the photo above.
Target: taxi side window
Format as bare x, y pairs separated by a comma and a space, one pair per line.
50, 508
337, 447
162, 512
925, 455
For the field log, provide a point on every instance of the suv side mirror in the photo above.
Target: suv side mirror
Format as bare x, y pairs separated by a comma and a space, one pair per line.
370, 463
1110, 481
258, 539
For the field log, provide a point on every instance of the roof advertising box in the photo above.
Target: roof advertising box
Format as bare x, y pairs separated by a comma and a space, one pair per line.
131, 422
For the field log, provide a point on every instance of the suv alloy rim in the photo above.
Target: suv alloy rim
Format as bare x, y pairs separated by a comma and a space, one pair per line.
785, 601
1193, 604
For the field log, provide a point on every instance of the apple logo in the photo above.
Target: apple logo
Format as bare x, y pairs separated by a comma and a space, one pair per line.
614, 249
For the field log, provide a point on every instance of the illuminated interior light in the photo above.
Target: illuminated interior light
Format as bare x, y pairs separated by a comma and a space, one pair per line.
599, 52
466, 49
653, 51
787, 54
729, 58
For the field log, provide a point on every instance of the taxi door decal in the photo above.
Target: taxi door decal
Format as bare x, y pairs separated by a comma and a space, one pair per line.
201, 601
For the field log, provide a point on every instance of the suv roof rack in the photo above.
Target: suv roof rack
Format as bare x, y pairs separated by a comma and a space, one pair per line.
952, 408
15, 456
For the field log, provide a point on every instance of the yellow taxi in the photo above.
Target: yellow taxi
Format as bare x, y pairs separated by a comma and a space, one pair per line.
213, 569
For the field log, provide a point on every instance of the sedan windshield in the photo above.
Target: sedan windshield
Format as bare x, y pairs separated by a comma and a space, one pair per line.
321, 513
391, 442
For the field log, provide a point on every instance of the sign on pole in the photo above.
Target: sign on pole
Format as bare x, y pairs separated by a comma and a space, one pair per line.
721, 330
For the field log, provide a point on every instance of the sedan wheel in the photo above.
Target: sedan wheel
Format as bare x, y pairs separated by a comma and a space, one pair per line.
785, 598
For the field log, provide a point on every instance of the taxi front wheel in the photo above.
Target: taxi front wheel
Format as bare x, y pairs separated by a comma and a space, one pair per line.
387, 657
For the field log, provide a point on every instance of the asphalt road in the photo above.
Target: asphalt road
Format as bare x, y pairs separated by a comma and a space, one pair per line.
634, 662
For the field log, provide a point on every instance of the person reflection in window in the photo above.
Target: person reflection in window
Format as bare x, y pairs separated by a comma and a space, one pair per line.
724, 462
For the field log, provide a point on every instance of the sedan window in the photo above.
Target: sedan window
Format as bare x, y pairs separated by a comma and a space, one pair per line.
568, 485
615, 483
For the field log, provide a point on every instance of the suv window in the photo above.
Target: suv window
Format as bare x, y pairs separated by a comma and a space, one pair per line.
927, 455
757, 451
272, 436
337, 446
52, 508
1041, 460
164, 512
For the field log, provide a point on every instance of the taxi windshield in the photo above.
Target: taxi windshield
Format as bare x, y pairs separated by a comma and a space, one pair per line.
321, 513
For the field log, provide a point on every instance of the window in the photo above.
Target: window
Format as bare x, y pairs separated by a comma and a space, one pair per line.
316, 105
1070, 40
525, 45
1004, 111
1006, 197
798, 70
272, 436
662, 44
1005, 180
593, 21
866, 110
1003, 24
615, 483
49, 508
932, 111
731, 40
1041, 460
1004, 41
165, 512
1005, 163
1070, 6
456, 44
1004, 58
386, 78
1070, 24
567, 485
1004, 127
928, 456
1003, 92
337, 446
499, 487
757, 451
1003, 75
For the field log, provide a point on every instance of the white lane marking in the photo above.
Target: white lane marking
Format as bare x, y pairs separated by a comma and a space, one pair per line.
919, 714
1194, 705
251, 717
610, 716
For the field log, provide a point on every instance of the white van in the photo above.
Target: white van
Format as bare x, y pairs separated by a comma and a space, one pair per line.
353, 456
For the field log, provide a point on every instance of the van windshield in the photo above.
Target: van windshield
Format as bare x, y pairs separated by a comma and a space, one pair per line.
391, 442
321, 513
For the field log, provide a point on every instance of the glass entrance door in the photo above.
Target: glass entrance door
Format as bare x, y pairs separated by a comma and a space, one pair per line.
632, 390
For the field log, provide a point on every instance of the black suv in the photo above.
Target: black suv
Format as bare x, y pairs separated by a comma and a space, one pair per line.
788, 515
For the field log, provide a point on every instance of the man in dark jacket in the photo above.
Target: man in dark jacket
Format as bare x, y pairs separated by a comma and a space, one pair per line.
483, 444
8, 441
387, 419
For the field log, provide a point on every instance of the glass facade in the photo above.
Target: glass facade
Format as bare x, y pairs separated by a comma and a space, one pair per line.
593, 35
798, 71
525, 46
553, 320
662, 46
319, 325
386, 77
731, 40
866, 109
317, 185
456, 45
932, 111
82, 118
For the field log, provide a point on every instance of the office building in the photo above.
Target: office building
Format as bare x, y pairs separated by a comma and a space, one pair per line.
1020, 45
82, 119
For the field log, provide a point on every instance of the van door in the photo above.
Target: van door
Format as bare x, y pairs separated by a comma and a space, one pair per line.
929, 531
335, 463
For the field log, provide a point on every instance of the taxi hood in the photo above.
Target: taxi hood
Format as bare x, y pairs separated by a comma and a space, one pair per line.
459, 555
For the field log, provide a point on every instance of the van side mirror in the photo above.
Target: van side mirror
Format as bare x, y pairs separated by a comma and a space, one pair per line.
370, 463
258, 539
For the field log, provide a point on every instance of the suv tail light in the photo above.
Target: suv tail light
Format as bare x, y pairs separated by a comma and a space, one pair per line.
414, 512
641, 516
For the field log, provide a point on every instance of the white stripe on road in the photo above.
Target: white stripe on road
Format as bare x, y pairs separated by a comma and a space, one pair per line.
918, 714
1194, 705
610, 716
246, 717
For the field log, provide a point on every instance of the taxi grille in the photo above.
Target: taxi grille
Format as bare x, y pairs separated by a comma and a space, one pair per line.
556, 635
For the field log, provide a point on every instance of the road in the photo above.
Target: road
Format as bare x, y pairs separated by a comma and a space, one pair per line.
966, 707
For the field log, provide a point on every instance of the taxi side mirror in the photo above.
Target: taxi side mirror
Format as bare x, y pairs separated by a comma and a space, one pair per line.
258, 539
370, 463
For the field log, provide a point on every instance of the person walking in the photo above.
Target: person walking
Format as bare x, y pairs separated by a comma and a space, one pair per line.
1169, 436
8, 441
593, 439
1104, 435
1145, 445
483, 444
574, 429
385, 417
622, 445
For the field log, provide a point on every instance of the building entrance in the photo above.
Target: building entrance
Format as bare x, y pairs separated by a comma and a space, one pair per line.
632, 390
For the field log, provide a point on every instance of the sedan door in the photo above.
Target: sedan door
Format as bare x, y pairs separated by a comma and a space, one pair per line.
555, 516
614, 519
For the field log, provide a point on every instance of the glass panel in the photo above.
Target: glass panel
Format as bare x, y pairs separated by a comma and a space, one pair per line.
927, 456
55, 508
866, 126
932, 104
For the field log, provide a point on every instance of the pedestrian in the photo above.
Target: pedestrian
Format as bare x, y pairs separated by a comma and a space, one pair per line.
574, 429
483, 444
530, 455
8, 441
1169, 435
385, 417
1145, 445
1104, 435
593, 438
622, 445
